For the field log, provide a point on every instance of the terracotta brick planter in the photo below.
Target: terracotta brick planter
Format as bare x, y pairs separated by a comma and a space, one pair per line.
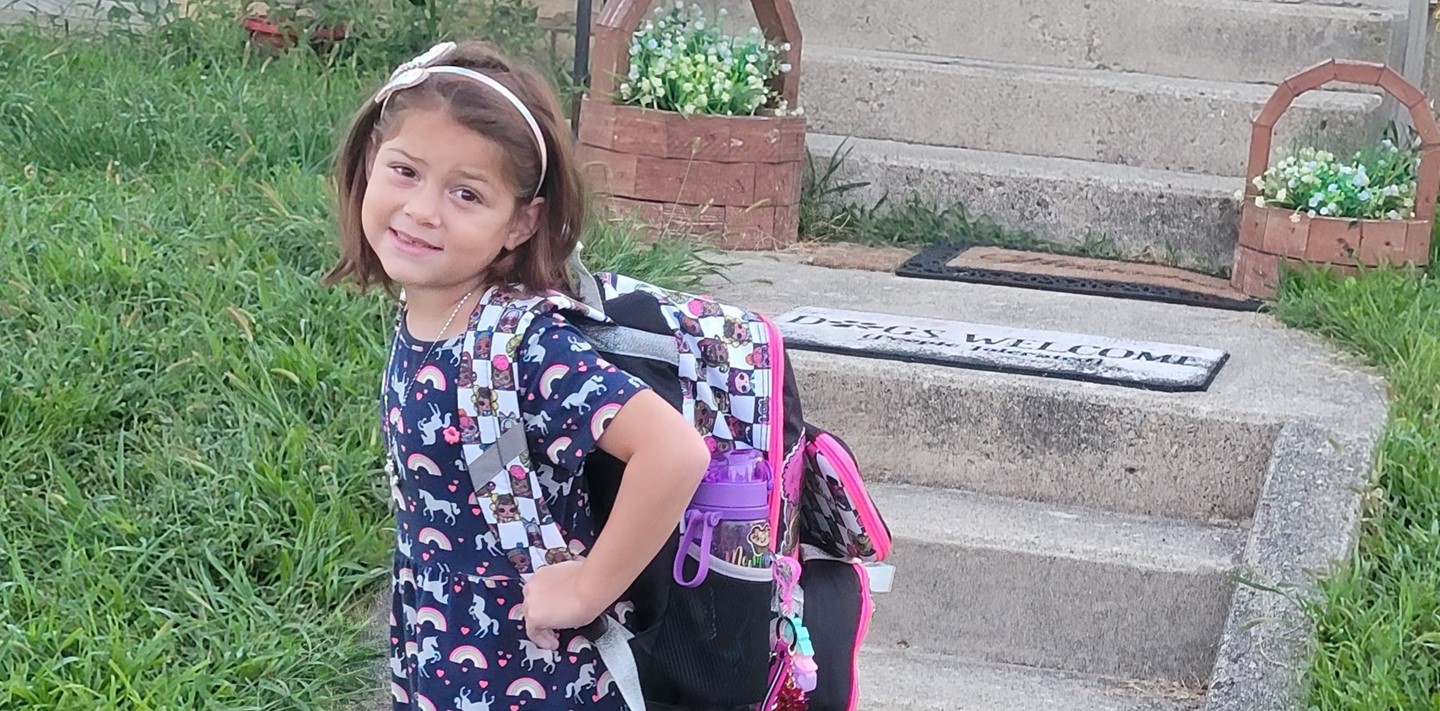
1274, 236
733, 181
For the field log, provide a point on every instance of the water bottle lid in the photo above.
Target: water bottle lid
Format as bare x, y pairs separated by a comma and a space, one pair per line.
746, 495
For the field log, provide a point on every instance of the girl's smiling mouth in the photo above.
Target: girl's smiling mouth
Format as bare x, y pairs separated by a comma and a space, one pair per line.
409, 243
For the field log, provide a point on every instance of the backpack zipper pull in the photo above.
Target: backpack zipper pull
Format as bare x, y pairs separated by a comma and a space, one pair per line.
803, 657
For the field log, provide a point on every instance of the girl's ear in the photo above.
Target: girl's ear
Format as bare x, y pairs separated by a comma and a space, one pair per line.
525, 223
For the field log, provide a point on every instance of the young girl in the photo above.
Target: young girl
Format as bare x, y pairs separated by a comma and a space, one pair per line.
457, 183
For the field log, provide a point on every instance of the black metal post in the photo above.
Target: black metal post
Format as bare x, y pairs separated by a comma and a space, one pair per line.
581, 73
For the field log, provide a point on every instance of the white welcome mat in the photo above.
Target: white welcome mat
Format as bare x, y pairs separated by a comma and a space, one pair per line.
1054, 354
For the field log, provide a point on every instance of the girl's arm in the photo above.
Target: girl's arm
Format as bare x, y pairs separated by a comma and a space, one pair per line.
665, 460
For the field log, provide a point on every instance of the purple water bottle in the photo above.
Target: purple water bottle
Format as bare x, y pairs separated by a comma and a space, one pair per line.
730, 515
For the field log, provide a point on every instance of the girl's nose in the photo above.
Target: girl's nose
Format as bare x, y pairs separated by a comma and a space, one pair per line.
423, 207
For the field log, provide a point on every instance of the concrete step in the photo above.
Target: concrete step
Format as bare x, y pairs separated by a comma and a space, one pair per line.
1140, 120
1010, 581
1185, 216
1223, 40
1198, 455
902, 680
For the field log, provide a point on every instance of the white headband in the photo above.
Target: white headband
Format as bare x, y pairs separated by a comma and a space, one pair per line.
417, 70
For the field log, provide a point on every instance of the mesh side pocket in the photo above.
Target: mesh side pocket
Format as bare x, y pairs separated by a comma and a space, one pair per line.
712, 647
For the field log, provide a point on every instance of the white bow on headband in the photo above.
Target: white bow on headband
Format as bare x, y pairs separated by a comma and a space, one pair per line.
417, 70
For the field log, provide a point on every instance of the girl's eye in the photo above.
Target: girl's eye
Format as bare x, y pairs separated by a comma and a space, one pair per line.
468, 195
404, 171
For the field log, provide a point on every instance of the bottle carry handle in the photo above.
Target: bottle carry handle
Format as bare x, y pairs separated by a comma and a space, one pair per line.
707, 521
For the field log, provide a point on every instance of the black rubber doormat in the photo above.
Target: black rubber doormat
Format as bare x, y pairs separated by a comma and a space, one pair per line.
997, 266
1148, 365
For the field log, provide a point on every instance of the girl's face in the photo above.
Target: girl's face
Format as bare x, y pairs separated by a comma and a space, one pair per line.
440, 204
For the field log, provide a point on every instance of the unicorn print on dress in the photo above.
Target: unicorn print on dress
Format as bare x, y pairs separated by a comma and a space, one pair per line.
534, 654
585, 681
463, 702
484, 623
434, 586
538, 423
397, 385
453, 350
578, 401
429, 654
432, 505
431, 426
490, 543
554, 488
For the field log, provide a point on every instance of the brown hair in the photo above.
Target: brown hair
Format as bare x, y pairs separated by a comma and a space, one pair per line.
539, 263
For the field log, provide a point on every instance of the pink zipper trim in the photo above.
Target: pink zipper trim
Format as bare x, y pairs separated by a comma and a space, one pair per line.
776, 347
849, 473
778, 673
867, 608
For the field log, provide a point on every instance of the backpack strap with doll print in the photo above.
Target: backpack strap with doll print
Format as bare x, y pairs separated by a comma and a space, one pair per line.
506, 479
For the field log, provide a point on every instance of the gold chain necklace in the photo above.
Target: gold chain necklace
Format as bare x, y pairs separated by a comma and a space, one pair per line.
405, 388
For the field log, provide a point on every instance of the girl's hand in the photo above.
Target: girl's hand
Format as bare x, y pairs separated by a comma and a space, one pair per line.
556, 599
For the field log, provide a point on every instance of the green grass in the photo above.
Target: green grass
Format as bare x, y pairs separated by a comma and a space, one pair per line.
1379, 618
192, 512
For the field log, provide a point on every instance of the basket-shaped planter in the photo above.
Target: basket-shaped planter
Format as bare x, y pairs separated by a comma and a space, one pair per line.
733, 180
1274, 236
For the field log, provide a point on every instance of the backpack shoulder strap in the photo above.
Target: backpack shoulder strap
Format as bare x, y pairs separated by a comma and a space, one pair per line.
496, 448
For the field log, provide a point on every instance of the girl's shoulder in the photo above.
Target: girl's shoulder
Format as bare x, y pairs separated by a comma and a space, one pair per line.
553, 336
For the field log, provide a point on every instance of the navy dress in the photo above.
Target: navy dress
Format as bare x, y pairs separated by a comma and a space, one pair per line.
457, 640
